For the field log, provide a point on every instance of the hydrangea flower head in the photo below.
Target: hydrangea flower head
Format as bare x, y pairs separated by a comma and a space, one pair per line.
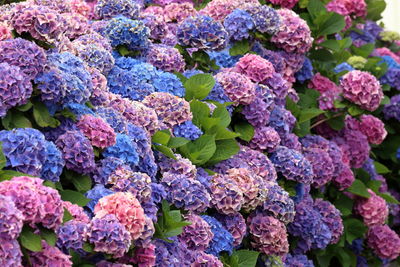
97, 131
265, 138
392, 110
362, 88
222, 240
237, 87
384, 241
165, 58
202, 32
124, 149
284, 3
278, 204
227, 197
126, 208
11, 219
266, 19
106, 9
331, 217
72, 235
373, 128
187, 130
197, 235
238, 24
96, 56
10, 253
54, 163
255, 67
50, 256
294, 35
373, 210
178, 12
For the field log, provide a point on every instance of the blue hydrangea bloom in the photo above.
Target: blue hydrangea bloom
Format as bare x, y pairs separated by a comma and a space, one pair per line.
124, 149
65, 80
79, 109
392, 110
190, 73
298, 260
265, 18
292, 165
24, 149
96, 56
364, 36
217, 94
202, 32
343, 67
392, 78
126, 63
54, 163
223, 58
113, 118
157, 192
222, 240
94, 194
72, 235
107, 9
105, 168
187, 130
357, 246
281, 120
132, 33
306, 71
398, 153
172, 254
168, 83
238, 24
390, 62
369, 167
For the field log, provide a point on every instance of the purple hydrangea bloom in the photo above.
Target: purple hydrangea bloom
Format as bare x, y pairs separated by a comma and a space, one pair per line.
15, 88
265, 138
293, 165
10, 253
52, 134
187, 130
77, 151
306, 71
218, 94
186, 193
11, 219
238, 24
123, 31
107, 9
298, 260
279, 204
257, 113
197, 235
49, 256
222, 240
24, 149
113, 118
235, 224
124, 149
392, 78
331, 216
322, 166
172, 254
104, 169
165, 58
72, 235
54, 163
202, 32
109, 236
65, 80
281, 120
26, 55
79, 109
96, 56
265, 18
96, 193
392, 110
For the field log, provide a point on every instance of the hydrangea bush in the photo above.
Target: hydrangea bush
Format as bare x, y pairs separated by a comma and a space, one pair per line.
212, 133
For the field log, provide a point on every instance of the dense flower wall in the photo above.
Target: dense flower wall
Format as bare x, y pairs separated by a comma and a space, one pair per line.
215, 133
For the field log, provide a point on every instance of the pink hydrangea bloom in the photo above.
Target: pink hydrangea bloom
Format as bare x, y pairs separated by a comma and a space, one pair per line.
265, 138
384, 241
227, 197
5, 32
345, 179
219, 9
384, 51
198, 235
373, 210
81, 7
178, 12
285, 3
145, 256
97, 131
75, 25
268, 234
202, 259
237, 87
77, 212
126, 208
373, 128
11, 219
294, 35
362, 88
255, 67
322, 84
50, 256
348, 7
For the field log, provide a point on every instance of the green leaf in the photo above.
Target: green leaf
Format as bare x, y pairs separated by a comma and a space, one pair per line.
200, 150
239, 48
15, 119
199, 111
181, 77
176, 142
331, 44
88, 247
245, 129
374, 185
25, 107
3, 160
42, 116
355, 110
161, 137
316, 8
358, 188
49, 236
364, 50
334, 24
225, 149
67, 216
8, 174
246, 258
303, 3
165, 150
353, 229
380, 168
74, 197
302, 129
67, 114
82, 183
221, 133
30, 240
292, 107
223, 115
375, 9
199, 86
338, 104
50, 184
388, 198
336, 123
308, 114
344, 204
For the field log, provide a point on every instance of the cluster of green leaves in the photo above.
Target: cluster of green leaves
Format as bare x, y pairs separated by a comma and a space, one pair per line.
240, 258
199, 59
218, 141
170, 223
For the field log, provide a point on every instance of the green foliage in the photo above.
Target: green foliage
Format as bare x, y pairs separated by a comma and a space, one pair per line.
358, 188
353, 229
15, 119
74, 197
199, 86
29, 240
49, 236
240, 48
42, 116
82, 183
8, 174
375, 9
170, 223
245, 129
67, 216
240, 258
200, 150
3, 160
